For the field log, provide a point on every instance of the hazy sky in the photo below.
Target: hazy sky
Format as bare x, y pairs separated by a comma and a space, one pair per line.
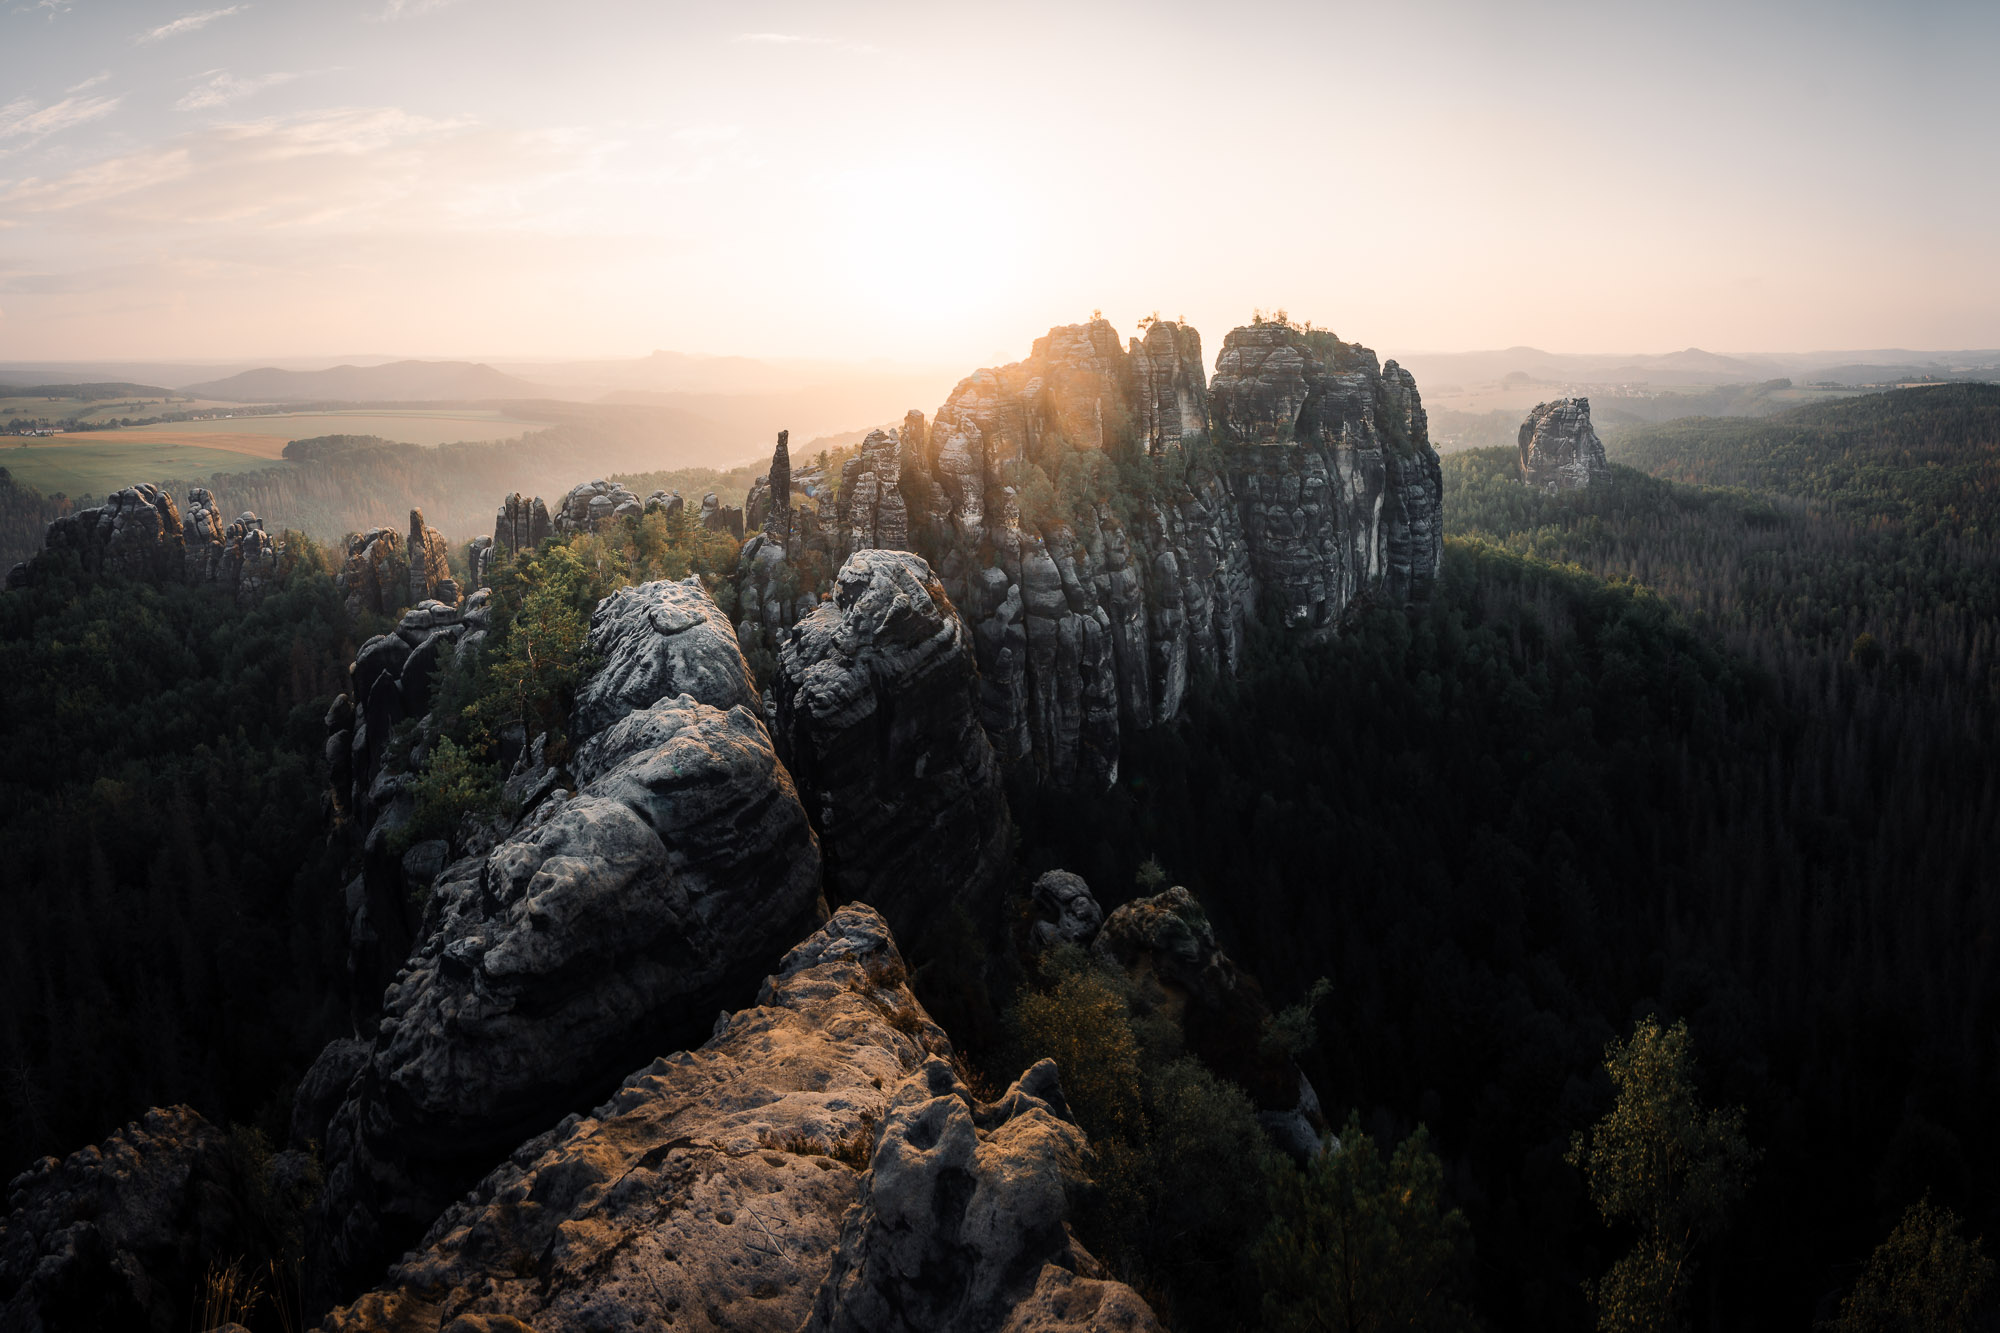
942, 182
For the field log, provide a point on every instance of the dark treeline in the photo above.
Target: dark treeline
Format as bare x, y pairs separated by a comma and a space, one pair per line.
174, 928
24, 517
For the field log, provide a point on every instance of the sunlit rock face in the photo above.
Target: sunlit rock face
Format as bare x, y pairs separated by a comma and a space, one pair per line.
816, 1164
1106, 518
1559, 449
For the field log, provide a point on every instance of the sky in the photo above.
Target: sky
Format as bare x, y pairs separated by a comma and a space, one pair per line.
938, 183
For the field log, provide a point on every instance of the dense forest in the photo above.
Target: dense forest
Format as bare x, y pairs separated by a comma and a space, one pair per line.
174, 923
1690, 772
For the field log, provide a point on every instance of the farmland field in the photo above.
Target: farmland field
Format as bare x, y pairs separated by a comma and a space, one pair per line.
93, 462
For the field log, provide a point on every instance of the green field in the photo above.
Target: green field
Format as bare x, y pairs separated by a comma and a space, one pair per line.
102, 466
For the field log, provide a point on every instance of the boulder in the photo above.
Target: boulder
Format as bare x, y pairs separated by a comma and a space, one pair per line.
876, 701
1559, 450
1065, 909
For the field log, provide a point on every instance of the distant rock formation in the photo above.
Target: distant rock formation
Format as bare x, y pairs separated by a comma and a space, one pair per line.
375, 577
611, 923
430, 564
718, 1187
877, 715
589, 507
1106, 519
139, 533
1559, 449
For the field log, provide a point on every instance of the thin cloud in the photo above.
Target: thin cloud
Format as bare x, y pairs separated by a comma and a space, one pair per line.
22, 119
223, 88
90, 82
200, 18
396, 9
801, 39
49, 8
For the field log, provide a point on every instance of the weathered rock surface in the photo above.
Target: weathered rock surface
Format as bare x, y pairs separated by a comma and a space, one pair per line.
375, 577
608, 927
877, 715
139, 533
520, 524
1302, 474
717, 1188
430, 565
962, 1224
655, 641
1067, 911
1166, 947
1559, 449
117, 1235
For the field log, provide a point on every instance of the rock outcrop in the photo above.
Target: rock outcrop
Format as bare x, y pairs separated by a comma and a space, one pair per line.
520, 524
591, 506
375, 577
655, 641
119, 1234
815, 1160
389, 680
1166, 947
876, 700
609, 926
139, 533
1559, 450
430, 564
1107, 519
1066, 911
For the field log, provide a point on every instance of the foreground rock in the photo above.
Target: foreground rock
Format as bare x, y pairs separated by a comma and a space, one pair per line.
119, 1235
1559, 450
607, 928
657, 640
877, 708
717, 1188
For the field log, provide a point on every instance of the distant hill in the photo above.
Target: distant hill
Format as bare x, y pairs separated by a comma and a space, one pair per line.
396, 382
86, 393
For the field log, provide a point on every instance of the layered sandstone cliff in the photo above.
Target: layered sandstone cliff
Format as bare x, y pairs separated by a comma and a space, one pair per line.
1107, 519
1559, 449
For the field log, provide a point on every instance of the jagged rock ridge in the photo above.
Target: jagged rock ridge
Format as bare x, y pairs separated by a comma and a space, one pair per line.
1107, 518
139, 533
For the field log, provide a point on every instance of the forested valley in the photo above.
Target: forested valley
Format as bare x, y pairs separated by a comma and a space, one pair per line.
1696, 762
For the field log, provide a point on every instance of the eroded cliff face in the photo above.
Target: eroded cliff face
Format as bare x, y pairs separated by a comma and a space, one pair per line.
1559, 449
1106, 518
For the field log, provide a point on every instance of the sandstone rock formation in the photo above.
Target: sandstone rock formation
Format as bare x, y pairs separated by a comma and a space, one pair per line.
375, 577
655, 641
139, 533
520, 524
606, 928
1106, 519
716, 1186
591, 506
389, 680
430, 565
1066, 910
1559, 450
118, 1235
877, 716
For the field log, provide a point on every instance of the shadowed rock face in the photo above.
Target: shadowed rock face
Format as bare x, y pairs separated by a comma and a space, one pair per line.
118, 1235
717, 1187
877, 717
430, 565
139, 533
1559, 449
609, 927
